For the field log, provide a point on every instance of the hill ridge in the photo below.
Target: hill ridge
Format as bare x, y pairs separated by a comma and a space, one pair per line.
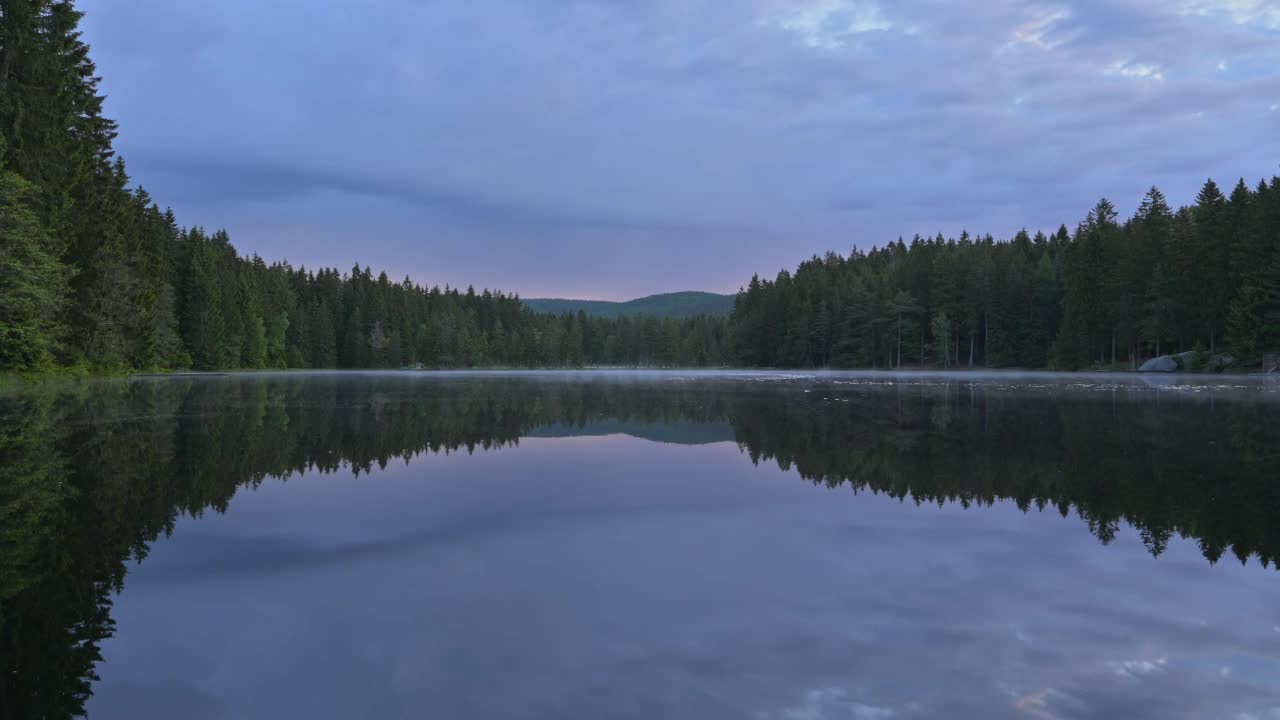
682, 304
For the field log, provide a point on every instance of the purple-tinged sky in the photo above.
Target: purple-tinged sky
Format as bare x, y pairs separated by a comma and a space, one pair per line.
616, 148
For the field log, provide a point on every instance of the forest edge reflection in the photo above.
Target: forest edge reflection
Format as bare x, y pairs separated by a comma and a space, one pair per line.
92, 474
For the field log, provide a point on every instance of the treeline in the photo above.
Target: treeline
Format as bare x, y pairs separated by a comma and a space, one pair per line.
242, 313
1109, 294
95, 274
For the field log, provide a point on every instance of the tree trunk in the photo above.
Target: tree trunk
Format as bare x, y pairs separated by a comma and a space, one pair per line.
1113, 348
899, 341
971, 343
986, 340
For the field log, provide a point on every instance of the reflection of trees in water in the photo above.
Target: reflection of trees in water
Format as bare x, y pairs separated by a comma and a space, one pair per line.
90, 476
1186, 467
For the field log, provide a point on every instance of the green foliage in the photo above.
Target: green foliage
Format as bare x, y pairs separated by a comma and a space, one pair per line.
1109, 295
1253, 321
33, 283
940, 326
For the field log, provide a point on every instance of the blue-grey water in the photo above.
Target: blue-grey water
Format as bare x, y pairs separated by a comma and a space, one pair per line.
658, 545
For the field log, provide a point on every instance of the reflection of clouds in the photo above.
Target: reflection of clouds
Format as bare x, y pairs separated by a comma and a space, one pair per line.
829, 703
639, 593
1271, 714
1144, 688
1134, 668
1035, 704
167, 696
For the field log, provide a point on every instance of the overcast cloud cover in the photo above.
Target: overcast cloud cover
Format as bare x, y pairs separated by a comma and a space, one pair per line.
614, 148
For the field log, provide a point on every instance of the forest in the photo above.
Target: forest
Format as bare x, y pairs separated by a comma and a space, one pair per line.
1106, 295
95, 276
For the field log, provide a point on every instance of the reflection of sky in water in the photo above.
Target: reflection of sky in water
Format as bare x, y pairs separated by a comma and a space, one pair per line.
608, 576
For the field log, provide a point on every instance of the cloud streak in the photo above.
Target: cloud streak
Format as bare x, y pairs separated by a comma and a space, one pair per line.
797, 126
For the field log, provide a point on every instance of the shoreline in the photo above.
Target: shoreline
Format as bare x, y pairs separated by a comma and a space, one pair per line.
12, 380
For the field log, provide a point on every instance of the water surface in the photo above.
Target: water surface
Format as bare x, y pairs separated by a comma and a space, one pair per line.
609, 545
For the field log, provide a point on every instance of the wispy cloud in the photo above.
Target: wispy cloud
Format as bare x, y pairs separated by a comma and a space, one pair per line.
1038, 32
603, 132
827, 23
1135, 71
1259, 13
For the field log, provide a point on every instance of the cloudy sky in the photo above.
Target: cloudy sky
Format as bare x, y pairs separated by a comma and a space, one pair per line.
614, 148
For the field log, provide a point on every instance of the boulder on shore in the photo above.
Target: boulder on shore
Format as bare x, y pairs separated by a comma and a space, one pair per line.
1164, 363
1189, 361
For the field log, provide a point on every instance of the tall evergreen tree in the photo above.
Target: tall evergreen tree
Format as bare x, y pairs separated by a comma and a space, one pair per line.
33, 283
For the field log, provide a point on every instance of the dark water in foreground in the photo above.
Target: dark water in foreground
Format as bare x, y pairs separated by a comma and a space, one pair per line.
692, 546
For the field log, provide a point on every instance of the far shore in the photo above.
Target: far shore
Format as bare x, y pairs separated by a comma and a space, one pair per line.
11, 380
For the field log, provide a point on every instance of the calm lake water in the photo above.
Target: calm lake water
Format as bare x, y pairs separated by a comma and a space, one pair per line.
657, 545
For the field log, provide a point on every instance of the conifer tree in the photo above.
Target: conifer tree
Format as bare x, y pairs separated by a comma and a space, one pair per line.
33, 283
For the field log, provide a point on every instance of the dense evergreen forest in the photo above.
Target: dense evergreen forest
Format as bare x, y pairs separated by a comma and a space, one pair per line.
94, 473
94, 274
1109, 294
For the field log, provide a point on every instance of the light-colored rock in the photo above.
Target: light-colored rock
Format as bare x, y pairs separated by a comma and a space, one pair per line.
1164, 363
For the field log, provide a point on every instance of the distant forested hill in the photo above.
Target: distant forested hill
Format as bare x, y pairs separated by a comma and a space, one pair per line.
668, 305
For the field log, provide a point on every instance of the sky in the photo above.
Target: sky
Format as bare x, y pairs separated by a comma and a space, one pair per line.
610, 149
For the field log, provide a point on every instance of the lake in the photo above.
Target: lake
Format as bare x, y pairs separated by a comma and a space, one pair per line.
781, 546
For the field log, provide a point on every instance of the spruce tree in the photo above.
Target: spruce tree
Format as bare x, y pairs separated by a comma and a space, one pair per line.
1253, 321
33, 283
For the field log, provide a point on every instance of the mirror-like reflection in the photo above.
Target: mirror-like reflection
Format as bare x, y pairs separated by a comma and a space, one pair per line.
91, 475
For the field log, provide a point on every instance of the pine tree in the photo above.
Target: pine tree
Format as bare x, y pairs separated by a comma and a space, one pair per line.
202, 322
904, 307
940, 328
276, 343
1212, 289
1253, 322
33, 283
1161, 310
